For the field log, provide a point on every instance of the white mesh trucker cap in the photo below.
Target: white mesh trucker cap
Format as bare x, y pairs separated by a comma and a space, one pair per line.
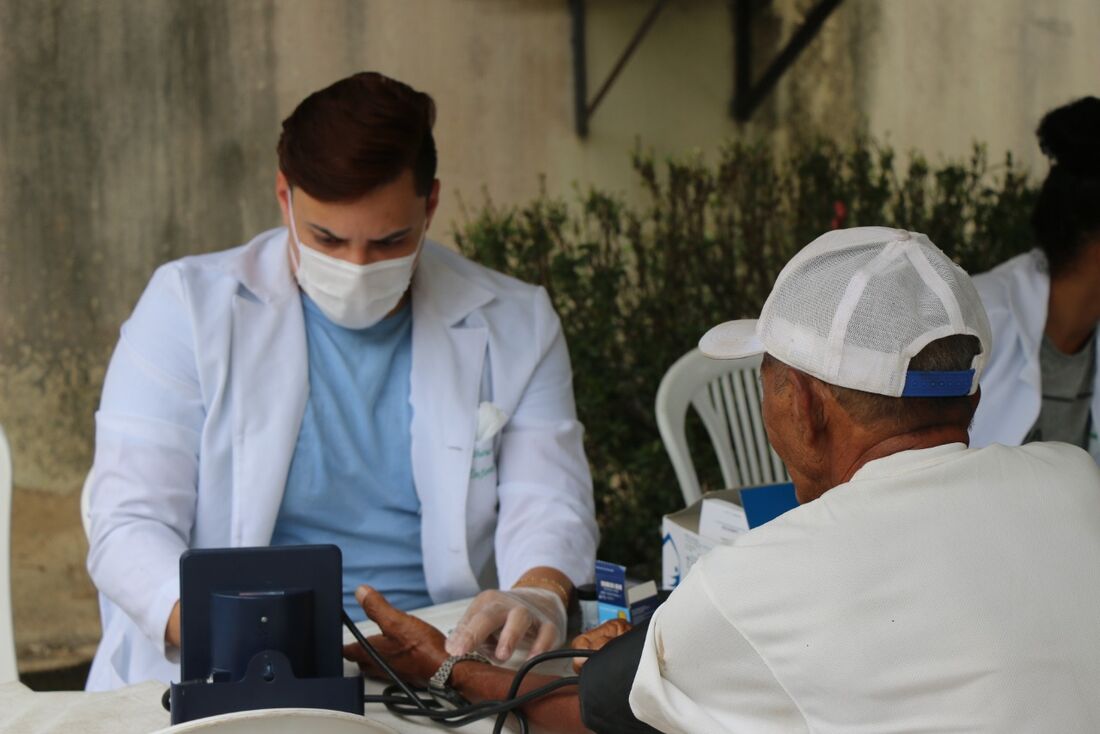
855, 305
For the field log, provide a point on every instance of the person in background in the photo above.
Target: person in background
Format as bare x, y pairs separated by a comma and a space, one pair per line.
1042, 382
342, 380
921, 585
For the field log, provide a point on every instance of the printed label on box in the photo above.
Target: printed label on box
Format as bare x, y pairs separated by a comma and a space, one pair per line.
683, 543
621, 598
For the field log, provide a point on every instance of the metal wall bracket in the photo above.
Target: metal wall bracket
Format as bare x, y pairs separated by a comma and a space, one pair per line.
583, 109
747, 95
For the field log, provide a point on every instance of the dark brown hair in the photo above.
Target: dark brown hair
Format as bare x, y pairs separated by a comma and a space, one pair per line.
360, 133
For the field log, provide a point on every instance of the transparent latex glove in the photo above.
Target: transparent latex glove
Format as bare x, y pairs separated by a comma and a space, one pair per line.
511, 616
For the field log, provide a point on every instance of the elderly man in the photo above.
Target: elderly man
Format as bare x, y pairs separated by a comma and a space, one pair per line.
920, 586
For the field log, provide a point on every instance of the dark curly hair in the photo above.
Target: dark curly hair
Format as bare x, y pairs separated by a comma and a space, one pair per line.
1067, 213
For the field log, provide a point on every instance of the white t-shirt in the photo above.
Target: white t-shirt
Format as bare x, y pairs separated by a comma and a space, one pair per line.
945, 589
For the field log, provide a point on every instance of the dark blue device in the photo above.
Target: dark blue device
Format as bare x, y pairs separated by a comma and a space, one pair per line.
261, 628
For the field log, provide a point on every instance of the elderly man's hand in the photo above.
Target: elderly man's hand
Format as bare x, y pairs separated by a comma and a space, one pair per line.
411, 646
597, 637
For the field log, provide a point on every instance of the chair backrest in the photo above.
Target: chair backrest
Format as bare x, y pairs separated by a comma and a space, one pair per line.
86, 505
8, 671
726, 395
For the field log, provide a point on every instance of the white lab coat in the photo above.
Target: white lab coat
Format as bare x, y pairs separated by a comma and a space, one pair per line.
204, 398
1015, 295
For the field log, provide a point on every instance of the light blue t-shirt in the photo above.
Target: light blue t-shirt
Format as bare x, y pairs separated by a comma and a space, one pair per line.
350, 480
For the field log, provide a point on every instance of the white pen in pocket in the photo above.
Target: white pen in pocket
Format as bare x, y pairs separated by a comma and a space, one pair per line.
490, 421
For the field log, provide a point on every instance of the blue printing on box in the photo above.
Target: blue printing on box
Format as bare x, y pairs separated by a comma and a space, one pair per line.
611, 583
642, 610
611, 611
611, 588
765, 503
637, 614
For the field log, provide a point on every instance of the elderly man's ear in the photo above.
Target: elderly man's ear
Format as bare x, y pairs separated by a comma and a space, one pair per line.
808, 398
975, 400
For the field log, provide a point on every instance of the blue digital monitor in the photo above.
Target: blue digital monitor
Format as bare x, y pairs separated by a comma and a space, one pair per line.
261, 628
236, 602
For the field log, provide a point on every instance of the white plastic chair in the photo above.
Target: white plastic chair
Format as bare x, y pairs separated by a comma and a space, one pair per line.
8, 671
726, 395
86, 505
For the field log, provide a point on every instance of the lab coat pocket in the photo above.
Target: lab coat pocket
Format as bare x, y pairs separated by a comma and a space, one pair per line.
483, 468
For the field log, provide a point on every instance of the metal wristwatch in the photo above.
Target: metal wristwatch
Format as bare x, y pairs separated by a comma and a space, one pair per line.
438, 684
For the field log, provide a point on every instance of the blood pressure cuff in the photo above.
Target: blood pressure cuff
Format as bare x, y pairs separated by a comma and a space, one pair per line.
606, 680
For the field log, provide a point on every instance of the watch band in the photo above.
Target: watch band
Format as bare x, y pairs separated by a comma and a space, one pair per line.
442, 676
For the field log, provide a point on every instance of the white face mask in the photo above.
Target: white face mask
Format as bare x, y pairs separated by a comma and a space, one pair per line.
353, 296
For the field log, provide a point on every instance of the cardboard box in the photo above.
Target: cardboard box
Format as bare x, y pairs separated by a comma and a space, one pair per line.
722, 520
621, 598
682, 542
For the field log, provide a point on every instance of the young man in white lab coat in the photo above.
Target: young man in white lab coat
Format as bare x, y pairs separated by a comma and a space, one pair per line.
342, 380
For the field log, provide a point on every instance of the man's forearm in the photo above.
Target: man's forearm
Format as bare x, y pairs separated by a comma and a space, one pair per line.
551, 579
557, 712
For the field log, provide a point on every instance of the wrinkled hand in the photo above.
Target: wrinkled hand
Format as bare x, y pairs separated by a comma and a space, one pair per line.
597, 637
411, 646
511, 615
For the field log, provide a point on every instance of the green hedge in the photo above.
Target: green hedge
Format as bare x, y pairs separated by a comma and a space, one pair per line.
636, 285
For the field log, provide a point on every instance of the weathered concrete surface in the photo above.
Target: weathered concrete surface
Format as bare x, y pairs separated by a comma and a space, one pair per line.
945, 73
136, 131
124, 145
132, 133
54, 601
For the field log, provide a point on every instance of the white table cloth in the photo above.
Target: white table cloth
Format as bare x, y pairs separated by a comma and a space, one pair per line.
136, 709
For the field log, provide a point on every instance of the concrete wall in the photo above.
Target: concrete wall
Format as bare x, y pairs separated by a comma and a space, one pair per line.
943, 73
136, 131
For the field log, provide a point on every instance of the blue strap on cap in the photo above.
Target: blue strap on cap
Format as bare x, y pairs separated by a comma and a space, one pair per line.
946, 384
